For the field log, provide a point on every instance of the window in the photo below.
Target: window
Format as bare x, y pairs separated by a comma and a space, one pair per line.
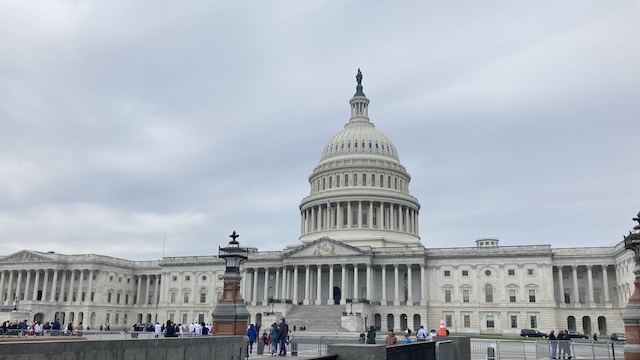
364, 180
448, 320
373, 178
466, 320
345, 214
119, 280
354, 217
381, 177
447, 295
109, 297
108, 318
465, 272
204, 277
173, 297
355, 179
490, 322
512, 272
514, 321
172, 317
330, 182
365, 213
532, 295
184, 318
346, 180
324, 183
124, 321
488, 293
117, 318
530, 272
388, 182
174, 278
126, 298
447, 273
187, 278
128, 282
337, 180
465, 295
534, 321
117, 299
110, 278
512, 295
395, 183
487, 272
185, 298
203, 296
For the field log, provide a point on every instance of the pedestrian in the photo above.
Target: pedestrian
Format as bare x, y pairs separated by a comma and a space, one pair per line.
553, 343
406, 340
422, 334
283, 333
391, 338
157, 329
362, 339
252, 334
595, 336
273, 339
371, 335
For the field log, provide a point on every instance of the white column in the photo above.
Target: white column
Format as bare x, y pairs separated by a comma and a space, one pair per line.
384, 285
302, 230
396, 300
410, 286
343, 299
313, 219
277, 286
406, 219
10, 291
576, 297
19, 285
369, 282
330, 301
80, 284
328, 217
155, 290
254, 295
356, 291
338, 216
423, 285
392, 215
54, 285
370, 219
27, 286
63, 286
265, 296
71, 284
90, 288
146, 291
605, 279
2, 291
359, 214
138, 292
295, 285
36, 284
590, 283
305, 301
319, 286
349, 215
561, 285
285, 283
380, 216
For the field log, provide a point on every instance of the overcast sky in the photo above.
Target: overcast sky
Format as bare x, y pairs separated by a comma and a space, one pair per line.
122, 121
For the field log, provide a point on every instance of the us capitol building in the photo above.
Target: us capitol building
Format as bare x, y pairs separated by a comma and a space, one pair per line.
359, 262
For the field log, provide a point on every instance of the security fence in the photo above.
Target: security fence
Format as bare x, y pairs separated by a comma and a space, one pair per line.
544, 349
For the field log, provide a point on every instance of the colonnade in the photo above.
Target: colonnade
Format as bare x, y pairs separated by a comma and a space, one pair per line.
46, 285
359, 214
318, 284
569, 290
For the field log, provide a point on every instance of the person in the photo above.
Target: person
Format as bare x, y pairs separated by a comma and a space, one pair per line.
432, 334
170, 330
406, 340
553, 342
39, 329
371, 335
204, 330
391, 338
273, 338
565, 345
158, 329
283, 332
362, 339
422, 334
595, 336
252, 334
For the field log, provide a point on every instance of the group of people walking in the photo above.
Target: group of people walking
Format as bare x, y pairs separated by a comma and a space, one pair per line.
560, 345
276, 339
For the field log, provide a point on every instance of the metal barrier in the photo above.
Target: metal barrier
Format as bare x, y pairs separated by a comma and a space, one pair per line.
544, 349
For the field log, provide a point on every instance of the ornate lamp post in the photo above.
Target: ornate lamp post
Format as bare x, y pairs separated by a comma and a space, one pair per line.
631, 314
230, 316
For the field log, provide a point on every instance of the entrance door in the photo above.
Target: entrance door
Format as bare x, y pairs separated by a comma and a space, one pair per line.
337, 295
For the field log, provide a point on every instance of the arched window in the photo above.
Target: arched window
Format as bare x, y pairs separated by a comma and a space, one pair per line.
355, 179
324, 183
381, 180
395, 183
488, 293
346, 180
330, 182
337, 180
373, 180
364, 180
388, 182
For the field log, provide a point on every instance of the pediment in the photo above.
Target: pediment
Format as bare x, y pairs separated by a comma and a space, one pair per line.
325, 247
24, 255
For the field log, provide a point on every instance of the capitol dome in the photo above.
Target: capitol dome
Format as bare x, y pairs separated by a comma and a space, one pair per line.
360, 190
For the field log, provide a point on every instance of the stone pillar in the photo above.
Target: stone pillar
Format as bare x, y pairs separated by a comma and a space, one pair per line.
27, 286
383, 301
157, 284
36, 284
576, 299
370, 218
146, 290
319, 285
277, 285
410, 286
406, 219
338, 216
359, 222
380, 216
423, 286
590, 284
605, 284
330, 301
90, 287
80, 284
306, 286
10, 296
2, 291
265, 296
19, 286
45, 285
312, 224
396, 297
343, 299
392, 216
138, 292
369, 287
561, 284
356, 292
71, 285
349, 215
295, 285
63, 286
54, 285
254, 279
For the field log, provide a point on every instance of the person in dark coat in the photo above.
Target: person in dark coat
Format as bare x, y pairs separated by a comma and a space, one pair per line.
371, 335
283, 333
252, 334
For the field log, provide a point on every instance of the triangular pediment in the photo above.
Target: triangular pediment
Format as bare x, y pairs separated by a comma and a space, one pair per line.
325, 247
24, 255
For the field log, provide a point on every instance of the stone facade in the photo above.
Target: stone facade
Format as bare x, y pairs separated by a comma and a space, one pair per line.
359, 251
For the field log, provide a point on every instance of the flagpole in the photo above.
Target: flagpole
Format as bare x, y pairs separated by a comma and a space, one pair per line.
164, 241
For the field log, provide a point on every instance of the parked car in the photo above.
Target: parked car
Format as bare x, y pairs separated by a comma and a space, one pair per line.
533, 333
144, 327
618, 337
576, 335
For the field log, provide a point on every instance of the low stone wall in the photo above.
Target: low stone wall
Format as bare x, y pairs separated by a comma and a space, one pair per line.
195, 348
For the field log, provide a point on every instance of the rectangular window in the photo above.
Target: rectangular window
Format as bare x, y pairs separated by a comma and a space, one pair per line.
172, 317
373, 180
110, 278
534, 321
447, 295
465, 295
530, 272
126, 298
203, 297
465, 272
117, 318
117, 301
128, 282
173, 297
490, 323
187, 278
119, 280
532, 295
354, 216
184, 318
81, 299
466, 321
512, 272
108, 318
186, 298
200, 318
447, 273
512, 295
514, 321
109, 297
124, 321
174, 278
375, 217
364, 180
448, 320
365, 215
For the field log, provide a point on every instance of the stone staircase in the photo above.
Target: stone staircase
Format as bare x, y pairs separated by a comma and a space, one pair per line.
316, 318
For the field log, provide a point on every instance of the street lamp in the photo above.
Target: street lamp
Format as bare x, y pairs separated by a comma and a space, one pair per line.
230, 316
631, 314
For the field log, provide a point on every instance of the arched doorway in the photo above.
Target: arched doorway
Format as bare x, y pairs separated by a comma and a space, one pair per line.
403, 322
139, 319
586, 325
80, 317
571, 323
38, 317
337, 295
72, 316
377, 321
92, 319
602, 325
390, 321
416, 322
148, 318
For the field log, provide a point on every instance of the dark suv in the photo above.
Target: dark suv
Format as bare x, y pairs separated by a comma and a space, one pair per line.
576, 335
144, 327
618, 337
532, 333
